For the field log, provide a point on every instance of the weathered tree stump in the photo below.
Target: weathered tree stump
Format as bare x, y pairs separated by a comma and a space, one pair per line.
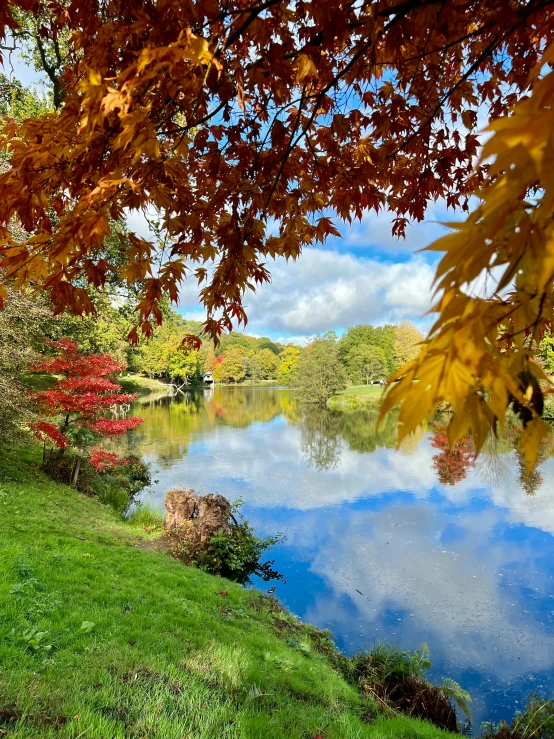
197, 517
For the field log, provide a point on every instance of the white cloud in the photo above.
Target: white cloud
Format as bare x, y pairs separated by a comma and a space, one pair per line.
375, 230
327, 289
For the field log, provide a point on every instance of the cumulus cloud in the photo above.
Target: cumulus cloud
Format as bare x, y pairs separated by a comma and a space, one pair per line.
327, 289
408, 585
330, 288
374, 231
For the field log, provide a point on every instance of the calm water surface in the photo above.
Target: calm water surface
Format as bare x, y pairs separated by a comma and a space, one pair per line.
407, 546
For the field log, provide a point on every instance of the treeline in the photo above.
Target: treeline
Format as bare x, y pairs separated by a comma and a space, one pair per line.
237, 358
362, 355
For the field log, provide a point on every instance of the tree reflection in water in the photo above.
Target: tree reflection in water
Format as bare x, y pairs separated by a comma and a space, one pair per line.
172, 424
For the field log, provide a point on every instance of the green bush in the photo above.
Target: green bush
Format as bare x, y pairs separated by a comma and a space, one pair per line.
236, 555
397, 678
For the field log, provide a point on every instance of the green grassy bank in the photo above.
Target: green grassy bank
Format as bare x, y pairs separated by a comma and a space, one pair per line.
356, 397
133, 383
101, 636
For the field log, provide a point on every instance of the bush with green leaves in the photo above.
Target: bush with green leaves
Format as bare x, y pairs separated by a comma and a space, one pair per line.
236, 555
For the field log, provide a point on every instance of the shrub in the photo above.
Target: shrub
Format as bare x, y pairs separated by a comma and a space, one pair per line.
396, 679
114, 486
236, 555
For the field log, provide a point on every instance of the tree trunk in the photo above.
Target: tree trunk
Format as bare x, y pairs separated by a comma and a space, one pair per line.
76, 469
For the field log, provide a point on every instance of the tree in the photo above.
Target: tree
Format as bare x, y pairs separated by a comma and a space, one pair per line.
406, 343
163, 356
369, 362
78, 400
479, 357
268, 362
237, 116
231, 367
320, 374
253, 368
381, 337
22, 323
265, 343
210, 360
287, 372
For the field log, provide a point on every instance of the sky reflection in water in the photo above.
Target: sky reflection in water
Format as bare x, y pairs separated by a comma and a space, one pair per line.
377, 547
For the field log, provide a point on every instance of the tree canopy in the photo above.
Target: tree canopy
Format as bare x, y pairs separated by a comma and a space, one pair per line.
236, 115
247, 126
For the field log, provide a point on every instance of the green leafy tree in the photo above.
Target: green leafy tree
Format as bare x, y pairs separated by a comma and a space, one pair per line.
381, 336
22, 325
232, 367
253, 367
105, 332
287, 373
20, 102
369, 362
269, 362
209, 362
265, 343
546, 353
321, 373
163, 356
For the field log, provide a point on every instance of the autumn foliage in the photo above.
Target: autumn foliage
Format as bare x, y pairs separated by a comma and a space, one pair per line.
78, 401
247, 125
495, 286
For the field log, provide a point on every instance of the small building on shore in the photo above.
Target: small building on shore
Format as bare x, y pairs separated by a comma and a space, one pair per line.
208, 378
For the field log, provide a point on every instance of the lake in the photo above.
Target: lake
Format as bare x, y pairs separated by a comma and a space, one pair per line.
409, 545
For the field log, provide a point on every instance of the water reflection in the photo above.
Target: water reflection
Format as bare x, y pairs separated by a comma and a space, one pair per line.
420, 544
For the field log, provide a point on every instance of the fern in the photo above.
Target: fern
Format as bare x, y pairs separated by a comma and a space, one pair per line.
451, 689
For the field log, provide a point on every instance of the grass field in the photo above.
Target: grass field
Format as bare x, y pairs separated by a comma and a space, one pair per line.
139, 384
362, 391
356, 397
102, 637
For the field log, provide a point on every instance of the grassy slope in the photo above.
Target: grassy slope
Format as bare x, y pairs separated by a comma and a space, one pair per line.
131, 383
168, 656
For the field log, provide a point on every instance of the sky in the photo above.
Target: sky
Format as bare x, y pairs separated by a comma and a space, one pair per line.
366, 276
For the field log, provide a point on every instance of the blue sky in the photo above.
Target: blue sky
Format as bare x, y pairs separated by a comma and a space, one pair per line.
367, 276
